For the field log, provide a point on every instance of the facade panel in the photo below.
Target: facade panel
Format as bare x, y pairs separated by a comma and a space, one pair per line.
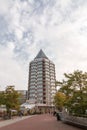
41, 86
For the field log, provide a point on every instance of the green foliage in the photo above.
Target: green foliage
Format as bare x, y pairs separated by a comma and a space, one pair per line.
59, 100
2, 98
75, 88
10, 98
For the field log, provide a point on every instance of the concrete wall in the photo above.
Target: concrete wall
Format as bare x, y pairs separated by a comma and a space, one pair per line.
78, 121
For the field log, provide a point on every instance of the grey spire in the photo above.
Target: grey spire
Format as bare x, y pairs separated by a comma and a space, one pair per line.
41, 55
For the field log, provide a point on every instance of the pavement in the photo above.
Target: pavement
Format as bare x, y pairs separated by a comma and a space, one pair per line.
35, 122
12, 120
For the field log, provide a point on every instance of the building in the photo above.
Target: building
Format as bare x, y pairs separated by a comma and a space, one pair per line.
41, 85
23, 96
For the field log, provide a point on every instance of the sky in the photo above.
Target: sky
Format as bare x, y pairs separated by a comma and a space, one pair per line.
58, 27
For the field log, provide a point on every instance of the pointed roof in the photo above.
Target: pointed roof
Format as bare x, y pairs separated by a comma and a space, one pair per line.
41, 54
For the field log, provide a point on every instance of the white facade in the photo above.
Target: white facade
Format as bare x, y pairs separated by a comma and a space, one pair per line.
41, 87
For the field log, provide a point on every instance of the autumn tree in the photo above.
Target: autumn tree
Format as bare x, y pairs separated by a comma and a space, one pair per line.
59, 100
74, 86
9, 97
12, 95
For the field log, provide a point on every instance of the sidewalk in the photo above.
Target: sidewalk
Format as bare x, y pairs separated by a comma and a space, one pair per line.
11, 121
37, 122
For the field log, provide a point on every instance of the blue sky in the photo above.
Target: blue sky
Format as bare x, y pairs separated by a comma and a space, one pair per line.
58, 27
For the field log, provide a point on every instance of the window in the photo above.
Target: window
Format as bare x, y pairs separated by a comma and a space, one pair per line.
39, 82
32, 90
39, 78
32, 86
39, 72
40, 90
39, 75
39, 86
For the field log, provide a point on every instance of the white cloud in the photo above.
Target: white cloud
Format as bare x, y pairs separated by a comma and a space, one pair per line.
64, 3
58, 27
4, 6
11, 73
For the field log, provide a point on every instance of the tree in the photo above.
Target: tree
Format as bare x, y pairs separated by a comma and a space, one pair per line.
2, 98
59, 100
75, 88
11, 100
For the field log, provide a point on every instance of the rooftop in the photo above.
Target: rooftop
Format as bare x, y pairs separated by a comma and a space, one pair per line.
41, 54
